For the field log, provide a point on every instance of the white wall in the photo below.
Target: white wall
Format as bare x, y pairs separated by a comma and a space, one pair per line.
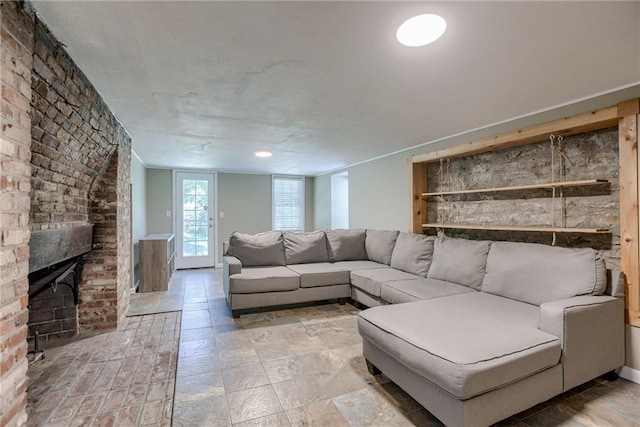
138, 199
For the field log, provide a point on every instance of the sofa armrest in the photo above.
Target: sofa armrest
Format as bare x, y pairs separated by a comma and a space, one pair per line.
230, 266
591, 332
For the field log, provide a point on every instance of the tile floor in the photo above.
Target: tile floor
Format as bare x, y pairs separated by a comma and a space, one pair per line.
303, 366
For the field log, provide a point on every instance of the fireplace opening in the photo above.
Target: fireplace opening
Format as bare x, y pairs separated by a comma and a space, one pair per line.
53, 304
54, 285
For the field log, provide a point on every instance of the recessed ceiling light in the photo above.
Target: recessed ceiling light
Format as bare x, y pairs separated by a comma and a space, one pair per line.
263, 154
421, 30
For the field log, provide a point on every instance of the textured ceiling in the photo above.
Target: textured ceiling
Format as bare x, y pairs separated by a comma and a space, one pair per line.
202, 85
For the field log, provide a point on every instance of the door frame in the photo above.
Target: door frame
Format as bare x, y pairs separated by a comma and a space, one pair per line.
174, 199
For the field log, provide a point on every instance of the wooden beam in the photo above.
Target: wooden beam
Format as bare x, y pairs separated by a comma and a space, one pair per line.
542, 229
629, 108
419, 205
629, 221
599, 119
545, 185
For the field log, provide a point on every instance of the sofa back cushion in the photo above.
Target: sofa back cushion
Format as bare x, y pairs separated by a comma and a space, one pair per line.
257, 249
346, 245
459, 261
413, 253
536, 274
304, 248
379, 245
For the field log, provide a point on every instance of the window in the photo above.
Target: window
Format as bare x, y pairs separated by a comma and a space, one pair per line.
288, 203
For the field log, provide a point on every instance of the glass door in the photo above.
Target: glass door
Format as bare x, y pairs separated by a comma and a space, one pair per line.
195, 220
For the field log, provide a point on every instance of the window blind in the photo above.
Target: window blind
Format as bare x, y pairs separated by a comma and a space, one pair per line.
288, 203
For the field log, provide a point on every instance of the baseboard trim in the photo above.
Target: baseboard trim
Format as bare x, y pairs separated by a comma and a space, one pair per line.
630, 374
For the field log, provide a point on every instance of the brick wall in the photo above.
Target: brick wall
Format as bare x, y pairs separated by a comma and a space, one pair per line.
53, 314
106, 276
592, 155
125, 258
15, 131
61, 149
73, 135
80, 175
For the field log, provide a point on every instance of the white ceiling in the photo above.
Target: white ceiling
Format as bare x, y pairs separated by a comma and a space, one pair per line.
323, 85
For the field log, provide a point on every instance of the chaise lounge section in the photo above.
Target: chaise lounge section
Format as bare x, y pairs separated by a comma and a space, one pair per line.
537, 321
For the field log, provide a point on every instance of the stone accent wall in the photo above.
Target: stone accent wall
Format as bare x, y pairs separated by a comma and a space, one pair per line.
15, 155
592, 155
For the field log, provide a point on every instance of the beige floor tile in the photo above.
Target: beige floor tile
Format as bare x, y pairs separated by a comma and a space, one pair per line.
275, 420
325, 360
284, 369
204, 411
363, 408
244, 377
237, 357
322, 413
273, 351
198, 387
339, 381
253, 403
298, 391
197, 365
197, 347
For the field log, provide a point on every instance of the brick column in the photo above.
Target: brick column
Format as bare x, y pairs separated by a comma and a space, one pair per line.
15, 172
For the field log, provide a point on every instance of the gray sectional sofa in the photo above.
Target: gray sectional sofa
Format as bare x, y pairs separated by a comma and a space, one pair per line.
475, 331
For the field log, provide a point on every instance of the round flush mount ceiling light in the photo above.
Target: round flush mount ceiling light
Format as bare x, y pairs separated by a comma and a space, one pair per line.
421, 30
263, 154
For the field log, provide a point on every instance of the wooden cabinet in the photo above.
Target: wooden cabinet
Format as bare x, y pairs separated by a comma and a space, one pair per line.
157, 262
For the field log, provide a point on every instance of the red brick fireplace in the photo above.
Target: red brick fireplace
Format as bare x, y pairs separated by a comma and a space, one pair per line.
64, 163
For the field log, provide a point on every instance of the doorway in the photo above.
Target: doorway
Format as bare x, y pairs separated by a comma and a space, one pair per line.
195, 220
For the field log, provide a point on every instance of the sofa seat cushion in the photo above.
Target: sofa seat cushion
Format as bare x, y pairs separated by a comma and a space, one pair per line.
467, 344
358, 265
320, 274
401, 291
371, 280
264, 279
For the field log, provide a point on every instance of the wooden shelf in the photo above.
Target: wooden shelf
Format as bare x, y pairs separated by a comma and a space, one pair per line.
522, 187
519, 228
